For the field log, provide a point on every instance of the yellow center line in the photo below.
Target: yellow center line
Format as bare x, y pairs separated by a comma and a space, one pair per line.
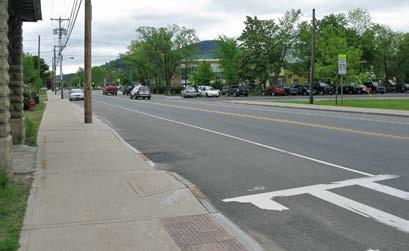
284, 121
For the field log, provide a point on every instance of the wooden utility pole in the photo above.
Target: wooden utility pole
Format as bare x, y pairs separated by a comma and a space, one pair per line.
87, 64
38, 57
312, 58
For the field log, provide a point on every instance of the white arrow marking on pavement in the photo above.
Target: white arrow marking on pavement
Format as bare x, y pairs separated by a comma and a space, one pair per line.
265, 200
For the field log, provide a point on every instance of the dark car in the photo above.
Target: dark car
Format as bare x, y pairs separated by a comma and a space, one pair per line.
375, 87
224, 90
361, 89
322, 88
274, 90
347, 89
402, 88
298, 90
238, 90
127, 89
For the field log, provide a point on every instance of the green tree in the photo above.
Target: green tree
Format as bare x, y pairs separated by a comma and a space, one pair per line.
29, 71
203, 75
267, 46
139, 56
256, 43
332, 39
229, 56
99, 74
167, 47
44, 68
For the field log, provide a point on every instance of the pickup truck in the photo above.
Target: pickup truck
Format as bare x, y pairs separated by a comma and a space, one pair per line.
110, 89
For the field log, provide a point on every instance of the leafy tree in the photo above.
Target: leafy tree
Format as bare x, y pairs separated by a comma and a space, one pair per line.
331, 41
267, 45
167, 47
229, 56
257, 45
45, 73
29, 71
203, 75
99, 74
139, 56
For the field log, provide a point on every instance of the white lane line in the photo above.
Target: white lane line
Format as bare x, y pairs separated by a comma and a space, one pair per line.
265, 200
243, 140
364, 210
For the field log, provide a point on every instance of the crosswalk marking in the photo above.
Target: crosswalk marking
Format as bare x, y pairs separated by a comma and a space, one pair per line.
265, 200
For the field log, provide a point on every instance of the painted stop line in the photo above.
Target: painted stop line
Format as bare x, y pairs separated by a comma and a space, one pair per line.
266, 200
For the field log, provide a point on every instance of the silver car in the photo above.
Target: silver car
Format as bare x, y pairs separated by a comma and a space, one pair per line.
141, 92
189, 92
76, 94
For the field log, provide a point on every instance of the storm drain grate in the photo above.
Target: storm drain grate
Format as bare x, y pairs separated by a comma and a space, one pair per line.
161, 156
199, 232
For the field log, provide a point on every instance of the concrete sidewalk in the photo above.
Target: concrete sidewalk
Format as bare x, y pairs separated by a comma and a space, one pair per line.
93, 192
371, 111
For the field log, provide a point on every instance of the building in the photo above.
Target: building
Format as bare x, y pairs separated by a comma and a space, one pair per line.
189, 66
12, 15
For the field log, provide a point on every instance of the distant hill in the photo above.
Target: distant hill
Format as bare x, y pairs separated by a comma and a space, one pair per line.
206, 50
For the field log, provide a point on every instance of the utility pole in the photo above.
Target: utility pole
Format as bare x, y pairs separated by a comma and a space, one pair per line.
312, 58
38, 57
60, 32
54, 70
87, 64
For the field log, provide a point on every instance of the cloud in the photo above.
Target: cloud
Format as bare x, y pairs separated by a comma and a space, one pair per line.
114, 22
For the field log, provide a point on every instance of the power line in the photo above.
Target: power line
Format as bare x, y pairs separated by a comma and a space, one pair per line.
73, 21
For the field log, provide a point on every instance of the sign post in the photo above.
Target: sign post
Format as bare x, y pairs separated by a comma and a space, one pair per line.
342, 70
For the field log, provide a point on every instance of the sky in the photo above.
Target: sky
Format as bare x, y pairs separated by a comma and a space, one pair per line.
115, 21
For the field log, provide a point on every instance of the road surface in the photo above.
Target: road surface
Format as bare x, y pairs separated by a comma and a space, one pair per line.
292, 179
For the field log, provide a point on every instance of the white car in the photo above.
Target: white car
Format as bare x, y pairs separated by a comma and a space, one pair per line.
76, 94
208, 91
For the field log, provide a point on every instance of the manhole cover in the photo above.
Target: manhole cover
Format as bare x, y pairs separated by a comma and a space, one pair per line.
161, 156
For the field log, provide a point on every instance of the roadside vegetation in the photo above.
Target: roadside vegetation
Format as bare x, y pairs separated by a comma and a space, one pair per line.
33, 120
15, 189
13, 201
394, 104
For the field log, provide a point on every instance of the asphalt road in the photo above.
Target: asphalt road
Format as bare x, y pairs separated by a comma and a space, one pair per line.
230, 151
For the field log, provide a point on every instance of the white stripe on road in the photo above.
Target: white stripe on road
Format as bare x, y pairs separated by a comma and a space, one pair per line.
243, 140
265, 200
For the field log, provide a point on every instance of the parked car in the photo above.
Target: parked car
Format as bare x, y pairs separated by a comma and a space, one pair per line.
110, 89
322, 88
347, 89
238, 90
402, 88
361, 89
286, 88
76, 94
375, 87
298, 90
189, 92
127, 89
224, 90
141, 92
274, 90
208, 91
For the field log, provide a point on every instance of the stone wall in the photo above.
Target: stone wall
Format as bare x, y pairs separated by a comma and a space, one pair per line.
16, 78
5, 136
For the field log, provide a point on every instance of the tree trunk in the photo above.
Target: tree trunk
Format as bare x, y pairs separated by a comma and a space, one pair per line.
168, 85
385, 62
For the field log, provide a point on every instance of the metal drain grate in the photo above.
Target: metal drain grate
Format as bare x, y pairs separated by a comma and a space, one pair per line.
161, 156
200, 232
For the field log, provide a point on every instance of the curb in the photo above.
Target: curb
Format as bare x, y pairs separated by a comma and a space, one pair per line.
321, 109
